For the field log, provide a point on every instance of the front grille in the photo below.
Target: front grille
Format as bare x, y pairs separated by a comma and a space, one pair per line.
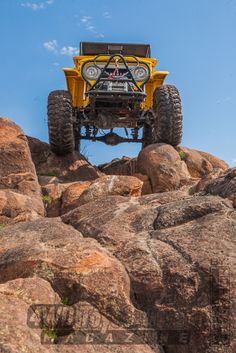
115, 86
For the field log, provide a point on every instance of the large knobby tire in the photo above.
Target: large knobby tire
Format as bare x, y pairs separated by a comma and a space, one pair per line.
60, 122
168, 124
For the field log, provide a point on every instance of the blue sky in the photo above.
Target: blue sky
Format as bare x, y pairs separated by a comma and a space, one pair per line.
193, 39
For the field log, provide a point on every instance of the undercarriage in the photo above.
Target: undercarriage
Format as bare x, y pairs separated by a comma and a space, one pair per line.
102, 127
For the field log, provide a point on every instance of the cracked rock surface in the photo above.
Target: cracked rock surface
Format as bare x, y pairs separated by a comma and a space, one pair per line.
143, 260
169, 250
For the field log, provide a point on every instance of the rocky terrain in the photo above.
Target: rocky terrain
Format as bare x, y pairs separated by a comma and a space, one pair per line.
136, 255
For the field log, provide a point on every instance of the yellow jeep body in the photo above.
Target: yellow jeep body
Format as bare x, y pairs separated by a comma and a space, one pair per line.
114, 86
77, 86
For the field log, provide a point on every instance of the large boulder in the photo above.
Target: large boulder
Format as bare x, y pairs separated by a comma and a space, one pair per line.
68, 168
15, 335
161, 169
44, 267
15, 207
34, 290
20, 190
71, 195
111, 185
215, 161
207, 179
126, 166
114, 221
164, 167
40, 319
17, 169
200, 164
206, 241
177, 250
76, 267
224, 186
60, 198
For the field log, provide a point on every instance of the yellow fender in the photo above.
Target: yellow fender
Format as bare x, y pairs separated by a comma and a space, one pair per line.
156, 80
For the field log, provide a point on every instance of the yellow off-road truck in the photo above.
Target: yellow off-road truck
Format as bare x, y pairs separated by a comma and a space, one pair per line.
114, 86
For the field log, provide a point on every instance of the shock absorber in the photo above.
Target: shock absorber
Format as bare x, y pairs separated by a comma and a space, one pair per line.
88, 131
95, 131
134, 133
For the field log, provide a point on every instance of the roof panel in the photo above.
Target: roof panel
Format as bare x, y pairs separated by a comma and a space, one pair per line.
90, 48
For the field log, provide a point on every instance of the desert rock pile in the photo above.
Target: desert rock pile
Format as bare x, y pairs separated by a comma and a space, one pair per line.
143, 248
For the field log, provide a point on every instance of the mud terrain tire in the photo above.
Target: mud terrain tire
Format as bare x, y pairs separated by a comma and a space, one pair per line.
60, 122
168, 124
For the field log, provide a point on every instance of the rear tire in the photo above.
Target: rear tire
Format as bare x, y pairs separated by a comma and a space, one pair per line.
168, 124
60, 122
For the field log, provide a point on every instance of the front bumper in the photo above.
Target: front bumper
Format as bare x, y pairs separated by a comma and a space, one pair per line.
104, 96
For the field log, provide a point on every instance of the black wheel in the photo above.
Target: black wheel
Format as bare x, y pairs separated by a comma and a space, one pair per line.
168, 124
60, 122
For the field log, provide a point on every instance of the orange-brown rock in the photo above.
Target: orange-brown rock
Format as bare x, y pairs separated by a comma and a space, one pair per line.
68, 168
200, 164
126, 166
60, 198
20, 191
197, 165
71, 195
15, 207
34, 290
17, 170
111, 185
52, 199
215, 162
164, 167
146, 188
18, 298
26, 328
207, 179
172, 245
76, 267
224, 186
163, 261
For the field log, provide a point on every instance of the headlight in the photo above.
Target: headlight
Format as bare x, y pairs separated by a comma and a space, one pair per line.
140, 73
91, 72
